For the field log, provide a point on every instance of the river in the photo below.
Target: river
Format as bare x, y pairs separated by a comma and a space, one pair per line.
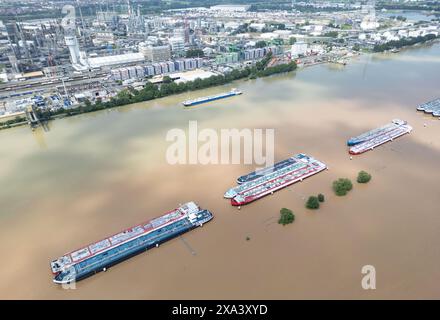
409, 14
92, 175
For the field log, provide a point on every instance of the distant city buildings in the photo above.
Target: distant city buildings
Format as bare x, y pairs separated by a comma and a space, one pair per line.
231, 7
104, 38
227, 58
42, 57
154, 69
177, 45
369, 22
244, 55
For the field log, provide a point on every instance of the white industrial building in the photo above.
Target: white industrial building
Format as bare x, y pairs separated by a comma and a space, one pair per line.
155, 69
81, 62
155, 53
231, 7
115, 60
269, 35
177, 44
104, 37
284, 34
298, 48
257, 26
72, 44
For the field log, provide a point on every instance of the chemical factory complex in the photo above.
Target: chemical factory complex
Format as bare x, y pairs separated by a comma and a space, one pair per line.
94, 51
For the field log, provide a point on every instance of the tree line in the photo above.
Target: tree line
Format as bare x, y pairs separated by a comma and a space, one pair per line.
195, 53
9, 123
153, 91
396, 44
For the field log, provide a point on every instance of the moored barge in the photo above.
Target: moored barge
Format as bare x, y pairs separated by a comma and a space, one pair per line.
381, 139
303, 167
372, 134
99, 256
432, 107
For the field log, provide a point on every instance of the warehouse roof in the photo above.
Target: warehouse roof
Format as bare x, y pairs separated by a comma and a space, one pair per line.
117, 59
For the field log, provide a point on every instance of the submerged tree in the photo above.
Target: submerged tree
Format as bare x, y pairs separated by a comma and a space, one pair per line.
342, 186
286, 216
363, 177
312, 203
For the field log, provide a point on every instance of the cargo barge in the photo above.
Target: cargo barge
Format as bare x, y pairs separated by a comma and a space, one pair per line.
432, 107
99, 256
261, 172
193, 102
372, 134
381, 139
303, 167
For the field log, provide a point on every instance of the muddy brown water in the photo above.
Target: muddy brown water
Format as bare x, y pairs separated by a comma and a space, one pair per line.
95, 174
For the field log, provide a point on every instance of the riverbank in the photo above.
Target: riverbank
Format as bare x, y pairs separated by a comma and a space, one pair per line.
168, 87
153, 91
403, 43
13, 124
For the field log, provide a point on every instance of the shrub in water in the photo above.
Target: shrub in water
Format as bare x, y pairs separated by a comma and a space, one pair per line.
363, 177
312, 203
342, 186
286, 216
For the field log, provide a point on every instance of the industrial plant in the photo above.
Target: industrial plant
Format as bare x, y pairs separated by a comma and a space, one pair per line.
60, 55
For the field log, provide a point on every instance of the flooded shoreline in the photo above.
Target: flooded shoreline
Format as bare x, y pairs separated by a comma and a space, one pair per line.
94, 174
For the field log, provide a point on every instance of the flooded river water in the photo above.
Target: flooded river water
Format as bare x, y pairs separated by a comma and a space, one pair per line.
95, 174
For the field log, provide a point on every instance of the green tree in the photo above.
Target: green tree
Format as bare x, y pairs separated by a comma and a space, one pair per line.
321, 197
312, 203
279, 26
403, 42
331, 34
260, 44
292, 40
277, 69
167, 79
192, 53
342, 186
363, 177
286, 216
87, 104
